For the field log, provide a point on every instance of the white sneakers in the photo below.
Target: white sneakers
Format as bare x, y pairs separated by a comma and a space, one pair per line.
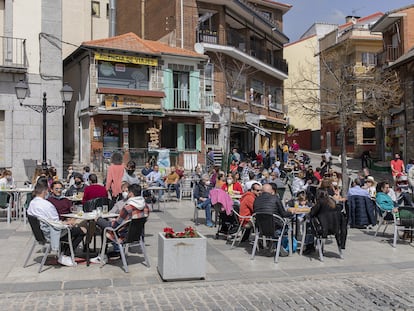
66, 261
99, 260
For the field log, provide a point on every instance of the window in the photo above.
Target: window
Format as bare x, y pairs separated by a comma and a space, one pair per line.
239, 85
169, 135
181, 82
208, 76
212, 137
369, 59
257, 92
190, 136
96, 8
275, 98
121, 75
107, 10
368, 135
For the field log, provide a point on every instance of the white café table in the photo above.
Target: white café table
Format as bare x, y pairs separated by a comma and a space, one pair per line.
89, 217
16, 196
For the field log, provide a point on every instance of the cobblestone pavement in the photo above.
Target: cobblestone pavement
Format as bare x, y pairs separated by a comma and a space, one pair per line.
368, 291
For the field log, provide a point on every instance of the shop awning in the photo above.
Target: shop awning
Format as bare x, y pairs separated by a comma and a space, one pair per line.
259, 130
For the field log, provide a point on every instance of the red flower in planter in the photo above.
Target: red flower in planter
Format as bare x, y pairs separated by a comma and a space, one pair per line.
189, 232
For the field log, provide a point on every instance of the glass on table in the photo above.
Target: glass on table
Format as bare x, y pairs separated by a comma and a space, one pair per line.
105, 209
79, 210
99, 210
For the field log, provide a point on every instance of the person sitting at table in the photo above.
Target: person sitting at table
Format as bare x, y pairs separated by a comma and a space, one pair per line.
129, 174
121, 203
146, 169
94, 190
357, 190
325, 210
246, 206
155, 179
135, 207
6, 180
231, 186
252, 180
299, 184
41, 208
172, 182
62, 204
201, 194
269, 203
221, 180
77, 187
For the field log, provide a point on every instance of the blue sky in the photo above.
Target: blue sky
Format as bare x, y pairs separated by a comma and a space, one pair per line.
306, 12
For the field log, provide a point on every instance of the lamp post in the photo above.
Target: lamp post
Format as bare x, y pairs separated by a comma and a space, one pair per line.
66, 92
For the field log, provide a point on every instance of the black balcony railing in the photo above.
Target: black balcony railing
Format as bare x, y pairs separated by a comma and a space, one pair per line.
207, 36
13, 52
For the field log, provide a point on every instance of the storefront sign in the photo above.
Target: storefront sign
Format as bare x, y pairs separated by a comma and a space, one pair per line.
126, 59
123, 101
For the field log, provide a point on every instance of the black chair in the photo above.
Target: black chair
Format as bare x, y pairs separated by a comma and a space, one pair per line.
266, 228
4, 204
127, 234
91, 205
40, 239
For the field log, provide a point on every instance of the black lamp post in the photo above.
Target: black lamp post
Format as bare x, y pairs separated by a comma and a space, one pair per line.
66, 92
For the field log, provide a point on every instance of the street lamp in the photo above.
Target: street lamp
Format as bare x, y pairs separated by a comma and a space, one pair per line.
66, 92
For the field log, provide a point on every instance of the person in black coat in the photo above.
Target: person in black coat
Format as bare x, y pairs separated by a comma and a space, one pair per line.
269, 203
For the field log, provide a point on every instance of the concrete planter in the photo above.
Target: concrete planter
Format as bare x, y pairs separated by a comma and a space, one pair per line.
182, 259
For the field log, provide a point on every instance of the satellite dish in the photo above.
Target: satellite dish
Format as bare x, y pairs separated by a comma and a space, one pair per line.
199, 48
216, 108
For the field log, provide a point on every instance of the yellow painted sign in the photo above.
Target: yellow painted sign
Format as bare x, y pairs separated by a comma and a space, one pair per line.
135, 102
127, 59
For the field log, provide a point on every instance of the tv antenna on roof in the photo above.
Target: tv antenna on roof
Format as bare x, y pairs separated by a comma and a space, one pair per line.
355, 10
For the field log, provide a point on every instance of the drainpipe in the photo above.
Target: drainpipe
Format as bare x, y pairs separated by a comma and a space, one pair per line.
182, 23
112, 18
143, 19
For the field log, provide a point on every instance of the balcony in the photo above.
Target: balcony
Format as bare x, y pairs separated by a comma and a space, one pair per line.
13, 56
390, 54
207, 36
181, 99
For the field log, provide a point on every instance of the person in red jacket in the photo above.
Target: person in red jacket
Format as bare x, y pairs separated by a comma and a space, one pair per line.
94, 190
246, 202
232, 187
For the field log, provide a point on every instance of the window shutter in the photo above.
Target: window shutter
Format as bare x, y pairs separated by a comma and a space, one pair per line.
168, 89
195, 91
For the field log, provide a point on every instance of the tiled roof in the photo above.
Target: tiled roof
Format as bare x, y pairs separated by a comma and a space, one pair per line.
130, 42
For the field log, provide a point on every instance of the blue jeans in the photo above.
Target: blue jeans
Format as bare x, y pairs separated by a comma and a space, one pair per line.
207, 206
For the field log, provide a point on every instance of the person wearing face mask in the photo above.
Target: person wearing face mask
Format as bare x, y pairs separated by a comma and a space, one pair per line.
63, 205
201, 194
7, 181
232, 187
94, 190
77, 187
70, 177
120, 204
129, 175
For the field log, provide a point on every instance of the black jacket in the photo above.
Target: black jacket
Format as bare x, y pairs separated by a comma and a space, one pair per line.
267, 203
201, 191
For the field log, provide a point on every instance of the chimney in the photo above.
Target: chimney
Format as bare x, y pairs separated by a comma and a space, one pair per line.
351, 18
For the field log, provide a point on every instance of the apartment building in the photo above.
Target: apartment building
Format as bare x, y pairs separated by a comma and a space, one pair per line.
350, 52
137, 95
397, 28
244, 44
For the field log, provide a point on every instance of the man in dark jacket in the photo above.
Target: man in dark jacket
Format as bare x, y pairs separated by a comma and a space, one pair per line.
201, 194
269, 203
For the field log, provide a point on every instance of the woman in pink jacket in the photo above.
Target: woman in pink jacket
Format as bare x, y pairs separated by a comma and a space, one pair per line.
114, 175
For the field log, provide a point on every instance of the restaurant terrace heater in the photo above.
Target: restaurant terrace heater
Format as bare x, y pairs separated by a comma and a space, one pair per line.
66, 92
